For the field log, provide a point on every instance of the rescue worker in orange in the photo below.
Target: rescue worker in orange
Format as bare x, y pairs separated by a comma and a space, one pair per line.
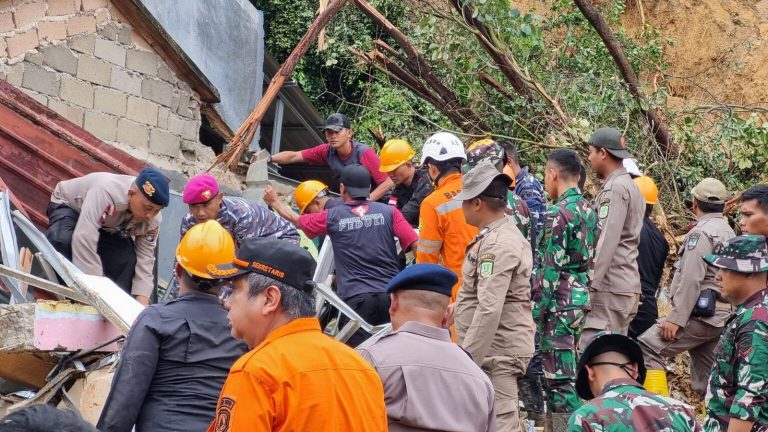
443, 232
295, 378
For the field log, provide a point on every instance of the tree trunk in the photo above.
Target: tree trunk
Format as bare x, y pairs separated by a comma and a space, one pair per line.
244, 135
660, 132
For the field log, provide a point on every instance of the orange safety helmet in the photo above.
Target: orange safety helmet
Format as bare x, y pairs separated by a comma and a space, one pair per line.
648, 187
205, 245
307, 191
395, 153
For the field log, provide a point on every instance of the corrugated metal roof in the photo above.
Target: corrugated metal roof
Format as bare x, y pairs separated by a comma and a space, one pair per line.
39, 148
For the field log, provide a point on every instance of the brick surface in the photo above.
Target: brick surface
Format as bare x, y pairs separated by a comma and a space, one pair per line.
69, 112
104, 126
61, 58
124, 35
94, 70
34, 57
165, 74
85, 44
3, 48
142, 61
109, 31
21, 42
52, 30
164, 143
183, 108
142, 111
29, 13
163, 114
94, 4
110, 101
102, 16
16, 74
175, 124
81, 24
6, 22
76, 91
132, 133
40, 80
110, 51
126, 81
61, 7
158, 91
191, 130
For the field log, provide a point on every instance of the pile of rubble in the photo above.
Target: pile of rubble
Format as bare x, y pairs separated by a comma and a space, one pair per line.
60, 330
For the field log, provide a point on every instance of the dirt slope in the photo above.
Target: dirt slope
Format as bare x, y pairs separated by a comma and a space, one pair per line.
720, 50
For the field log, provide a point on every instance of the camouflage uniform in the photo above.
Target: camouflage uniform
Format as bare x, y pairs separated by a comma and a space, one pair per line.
737, 386
518, 210
529, 189
624, 405
567, 251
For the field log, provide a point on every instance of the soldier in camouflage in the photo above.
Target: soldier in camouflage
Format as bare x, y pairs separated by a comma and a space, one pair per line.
610, 371
527, 187
517, 209
567, 250
737, 398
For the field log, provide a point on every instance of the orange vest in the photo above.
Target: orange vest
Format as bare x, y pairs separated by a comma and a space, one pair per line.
443, 233
299, 379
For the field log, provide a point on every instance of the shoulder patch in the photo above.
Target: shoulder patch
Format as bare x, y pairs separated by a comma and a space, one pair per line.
602, 212
487, 256
486, 268
693, 240
151, 235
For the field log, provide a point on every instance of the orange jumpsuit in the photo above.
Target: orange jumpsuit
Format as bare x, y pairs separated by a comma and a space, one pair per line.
299, 379
443, 232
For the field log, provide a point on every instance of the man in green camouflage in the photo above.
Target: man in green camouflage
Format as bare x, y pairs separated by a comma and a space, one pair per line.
737, 398
611, 369
567, 248
517, 209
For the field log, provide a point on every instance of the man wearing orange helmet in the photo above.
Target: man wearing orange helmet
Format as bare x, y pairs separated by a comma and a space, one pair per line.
311, 196
411, 185
651, 254
178, 354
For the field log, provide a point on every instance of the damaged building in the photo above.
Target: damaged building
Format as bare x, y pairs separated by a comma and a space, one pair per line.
115, 85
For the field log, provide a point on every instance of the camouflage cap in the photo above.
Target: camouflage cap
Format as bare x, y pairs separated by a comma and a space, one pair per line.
743, 254
481, 150
603, 342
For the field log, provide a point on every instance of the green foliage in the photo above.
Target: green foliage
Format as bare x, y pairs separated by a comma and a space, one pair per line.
562, 52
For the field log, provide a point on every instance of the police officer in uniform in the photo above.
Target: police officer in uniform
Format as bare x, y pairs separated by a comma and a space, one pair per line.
493, 306
698, 311
430, 384
615, 291
107, 224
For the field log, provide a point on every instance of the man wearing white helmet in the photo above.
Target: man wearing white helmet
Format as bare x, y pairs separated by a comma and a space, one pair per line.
443, 232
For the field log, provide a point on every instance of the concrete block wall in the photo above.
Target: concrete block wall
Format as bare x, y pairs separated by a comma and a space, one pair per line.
84, 60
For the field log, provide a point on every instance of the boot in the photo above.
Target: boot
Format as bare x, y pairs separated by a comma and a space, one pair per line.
560, 421
656, 382
531, 393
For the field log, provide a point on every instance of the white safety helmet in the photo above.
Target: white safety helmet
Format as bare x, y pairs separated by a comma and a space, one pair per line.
443, 146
